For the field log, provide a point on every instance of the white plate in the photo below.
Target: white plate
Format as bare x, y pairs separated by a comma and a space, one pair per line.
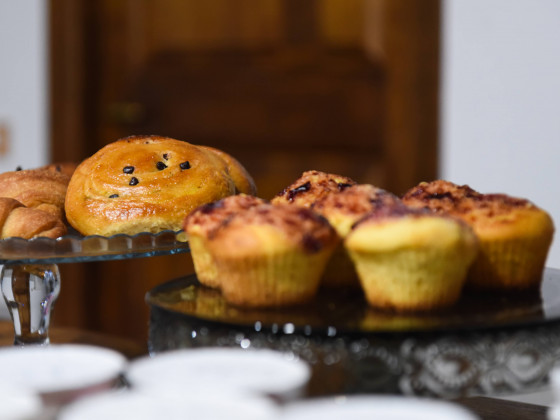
17, 402
140, 406
554, 377
375, 407
259, 371
53, 369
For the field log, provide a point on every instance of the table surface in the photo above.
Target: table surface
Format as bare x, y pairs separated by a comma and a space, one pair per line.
60, 335
486, 408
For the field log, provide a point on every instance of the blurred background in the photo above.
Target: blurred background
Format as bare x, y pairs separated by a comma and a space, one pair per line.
388, 92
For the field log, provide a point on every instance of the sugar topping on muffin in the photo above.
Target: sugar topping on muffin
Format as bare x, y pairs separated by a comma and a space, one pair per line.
208, 217
346, 207
302, 227
311, 186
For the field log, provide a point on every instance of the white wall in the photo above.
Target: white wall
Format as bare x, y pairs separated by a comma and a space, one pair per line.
23, 86
500, 122
23, 82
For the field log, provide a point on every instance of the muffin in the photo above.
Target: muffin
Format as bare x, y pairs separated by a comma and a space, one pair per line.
411, 260
202, 221
310, 187
144, 184
514, 234
271, 255
306, 191
342, 209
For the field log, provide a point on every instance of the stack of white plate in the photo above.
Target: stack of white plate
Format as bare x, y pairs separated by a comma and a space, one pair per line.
18, 402
226, 383
375, 407
261, 372
138, 405
59, 374
210, 383
554, 411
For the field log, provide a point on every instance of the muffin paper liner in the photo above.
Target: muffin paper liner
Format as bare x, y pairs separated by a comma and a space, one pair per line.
271, 280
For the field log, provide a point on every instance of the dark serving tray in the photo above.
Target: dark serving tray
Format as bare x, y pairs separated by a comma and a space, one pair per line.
486, 344
347, 311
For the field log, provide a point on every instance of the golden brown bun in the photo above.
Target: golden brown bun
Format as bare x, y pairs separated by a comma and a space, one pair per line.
144, 184
16, 220
36, 188
310, 187
244, 183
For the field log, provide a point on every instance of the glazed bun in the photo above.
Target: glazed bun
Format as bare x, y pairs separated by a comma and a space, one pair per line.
144, 184
241, 178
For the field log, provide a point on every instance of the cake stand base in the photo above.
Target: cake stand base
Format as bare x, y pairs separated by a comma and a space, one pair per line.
30, 291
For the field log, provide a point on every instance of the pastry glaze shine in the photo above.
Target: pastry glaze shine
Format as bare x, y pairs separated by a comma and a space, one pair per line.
144, 184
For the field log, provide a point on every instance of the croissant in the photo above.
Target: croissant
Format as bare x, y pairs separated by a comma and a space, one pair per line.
41, 189
23, 222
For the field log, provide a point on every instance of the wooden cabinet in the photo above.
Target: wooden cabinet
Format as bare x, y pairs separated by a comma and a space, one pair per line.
283, 85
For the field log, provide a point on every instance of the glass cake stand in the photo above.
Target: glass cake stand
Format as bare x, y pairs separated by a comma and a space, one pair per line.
30, 278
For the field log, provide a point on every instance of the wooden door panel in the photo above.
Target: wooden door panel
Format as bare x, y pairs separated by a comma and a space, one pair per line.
348, 87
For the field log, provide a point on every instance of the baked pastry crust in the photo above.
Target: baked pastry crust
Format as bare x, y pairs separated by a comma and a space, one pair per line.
515, 235
299, 228
16, 220
67, 168
144, 184
244, 183
344, 208
310, 187
36, 188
